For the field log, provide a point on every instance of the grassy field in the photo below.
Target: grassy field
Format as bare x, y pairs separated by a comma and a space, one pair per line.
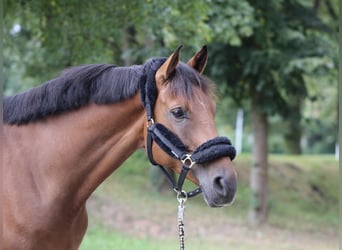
126, 212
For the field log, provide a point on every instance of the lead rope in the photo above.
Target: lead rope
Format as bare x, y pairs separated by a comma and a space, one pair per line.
181, 197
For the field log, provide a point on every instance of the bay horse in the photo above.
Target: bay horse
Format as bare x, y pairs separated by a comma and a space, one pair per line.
62, 139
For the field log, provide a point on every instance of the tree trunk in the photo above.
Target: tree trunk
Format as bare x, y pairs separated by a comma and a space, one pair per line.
293, 134
239, 131
128, 34
259, 172
292, 140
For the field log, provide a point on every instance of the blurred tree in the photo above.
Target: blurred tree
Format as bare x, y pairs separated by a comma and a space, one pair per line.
268, 68
72, 32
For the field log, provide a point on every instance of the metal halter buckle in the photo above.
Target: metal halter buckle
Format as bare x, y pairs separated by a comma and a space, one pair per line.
187, 161
150, 122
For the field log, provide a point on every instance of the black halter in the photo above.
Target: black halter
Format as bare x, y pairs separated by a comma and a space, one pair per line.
211, 150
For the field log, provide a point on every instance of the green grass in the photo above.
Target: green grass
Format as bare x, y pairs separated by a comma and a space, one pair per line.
100, 238
301, 188
303, 198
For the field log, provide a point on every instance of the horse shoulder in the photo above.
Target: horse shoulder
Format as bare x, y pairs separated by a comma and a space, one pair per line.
29, 222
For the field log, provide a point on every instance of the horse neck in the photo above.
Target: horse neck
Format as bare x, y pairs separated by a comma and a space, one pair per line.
78, 150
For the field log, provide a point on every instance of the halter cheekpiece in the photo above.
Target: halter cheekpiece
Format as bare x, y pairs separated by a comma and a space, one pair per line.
211, 150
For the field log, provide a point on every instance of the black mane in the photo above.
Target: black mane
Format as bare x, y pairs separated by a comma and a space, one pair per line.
97, 83
74, 88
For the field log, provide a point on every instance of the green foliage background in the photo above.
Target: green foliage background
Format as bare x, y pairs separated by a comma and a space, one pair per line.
283, 50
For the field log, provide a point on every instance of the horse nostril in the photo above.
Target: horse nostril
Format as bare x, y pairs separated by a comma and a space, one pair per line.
221, 186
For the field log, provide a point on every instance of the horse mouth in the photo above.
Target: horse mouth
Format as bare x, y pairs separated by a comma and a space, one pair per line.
217, 202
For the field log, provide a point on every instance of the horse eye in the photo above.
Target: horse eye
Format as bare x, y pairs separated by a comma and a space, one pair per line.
178, 113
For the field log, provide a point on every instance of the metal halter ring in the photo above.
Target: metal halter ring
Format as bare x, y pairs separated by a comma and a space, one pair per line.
187, 161
182, 196
150, 122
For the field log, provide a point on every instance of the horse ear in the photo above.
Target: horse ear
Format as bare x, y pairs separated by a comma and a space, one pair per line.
168, 67
199, 60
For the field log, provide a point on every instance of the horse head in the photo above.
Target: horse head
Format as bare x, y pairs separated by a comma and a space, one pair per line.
185, 106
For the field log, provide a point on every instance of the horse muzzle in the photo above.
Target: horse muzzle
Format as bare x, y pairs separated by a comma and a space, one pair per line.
218, 182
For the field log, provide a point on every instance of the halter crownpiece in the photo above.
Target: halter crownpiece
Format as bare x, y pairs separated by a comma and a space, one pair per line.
169, 142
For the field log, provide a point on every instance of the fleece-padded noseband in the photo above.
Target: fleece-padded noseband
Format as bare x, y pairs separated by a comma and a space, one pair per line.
211, 150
